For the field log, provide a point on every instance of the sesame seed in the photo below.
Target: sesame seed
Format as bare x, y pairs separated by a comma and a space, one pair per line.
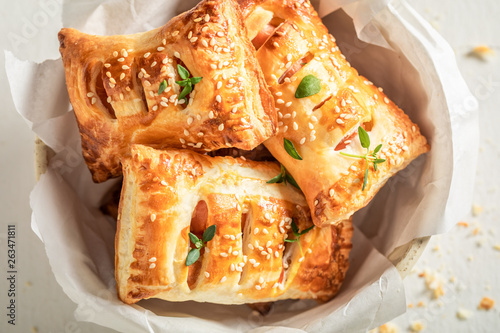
153, 265
198, 19
175, 33
220, 34
221, 127
219, 85
301, 259
269, 243
276, 254
108, 74
375, 96
255, 231
204, 42
115, 54
295, 126
90, 94
386, 100
256, 264
147, 54
353, 168
152, 259
288, 104
302, 141
211, 115
107, 65
234, 109
122, 76
232, 237
223, 254
194, 39
280, 101
235, 253
121, 59
177, 54
332, 192
265, 231
109, 99
224, 278
218, 98
94, 100
337, 109
121, 96
276, 44
207, 274
339, 121
258, 287
186, 132
164, 104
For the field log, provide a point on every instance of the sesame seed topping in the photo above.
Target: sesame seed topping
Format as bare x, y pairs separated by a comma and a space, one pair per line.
115, 54
223, 254
204, 42
177, 54
234, 109
219, 85
218, 98
235, 253
256, 264
280, 101
224, 278
211, 115
186, 132
122, 76
194, 39
295, 126
288, 104
190, 120
198, 19
108, 74
107, 65
121, 59
94, 100
175, 33
302, 141
258, 287
276, 254
221, 127
255, 231
386, 100
220, 34
339, 121
265, 231
90, 94
276, 44
207, 274
153, 265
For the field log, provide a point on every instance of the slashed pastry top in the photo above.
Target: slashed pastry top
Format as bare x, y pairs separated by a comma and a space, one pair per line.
167, 194
193, 83
322, 118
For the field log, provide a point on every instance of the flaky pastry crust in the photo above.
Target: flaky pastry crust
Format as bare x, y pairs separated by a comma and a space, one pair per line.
292, 43
113, 84
168, 193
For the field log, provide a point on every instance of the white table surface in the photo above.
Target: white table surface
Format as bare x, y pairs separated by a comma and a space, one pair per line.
464, 261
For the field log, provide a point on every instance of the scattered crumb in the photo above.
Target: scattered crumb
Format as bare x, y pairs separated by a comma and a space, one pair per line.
438, 292
416, 326
436, 248
28, 284
34, 329
496, 247
477, 210
476, 231
481, 52
410, 305
388, 328
453, 279
480, 243
421, 304
470, 258
486, 304
463, 224
461, 287
487, 287
463, 314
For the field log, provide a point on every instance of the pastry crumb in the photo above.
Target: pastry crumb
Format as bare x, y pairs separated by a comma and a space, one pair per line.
496, 247
481, 52
410, 305
477, 210
463, 224
421, 304
463, 314
486, 304
34, 329
470, 258
416, 326
476, 231
388, 328
453, 279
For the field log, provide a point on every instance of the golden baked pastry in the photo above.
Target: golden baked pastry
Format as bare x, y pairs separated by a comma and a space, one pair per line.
123, 88
169, 193
321, 102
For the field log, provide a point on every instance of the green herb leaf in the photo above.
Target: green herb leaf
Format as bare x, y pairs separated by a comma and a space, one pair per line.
163, 86
379, 160
292, 240
292, 181
183, 72
195, 80
364, 138
305, 231
193, 255
295, 229
187, 89
193, 238
183, 83
209, 233
377, 149
277, 179
310, 85
365, 181
290, 149
352, 155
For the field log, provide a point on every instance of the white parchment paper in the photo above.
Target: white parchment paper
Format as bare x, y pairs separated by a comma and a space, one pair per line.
388, 43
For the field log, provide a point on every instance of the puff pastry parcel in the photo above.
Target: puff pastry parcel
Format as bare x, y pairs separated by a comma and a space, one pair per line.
293, 43
115, 86
168, 193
